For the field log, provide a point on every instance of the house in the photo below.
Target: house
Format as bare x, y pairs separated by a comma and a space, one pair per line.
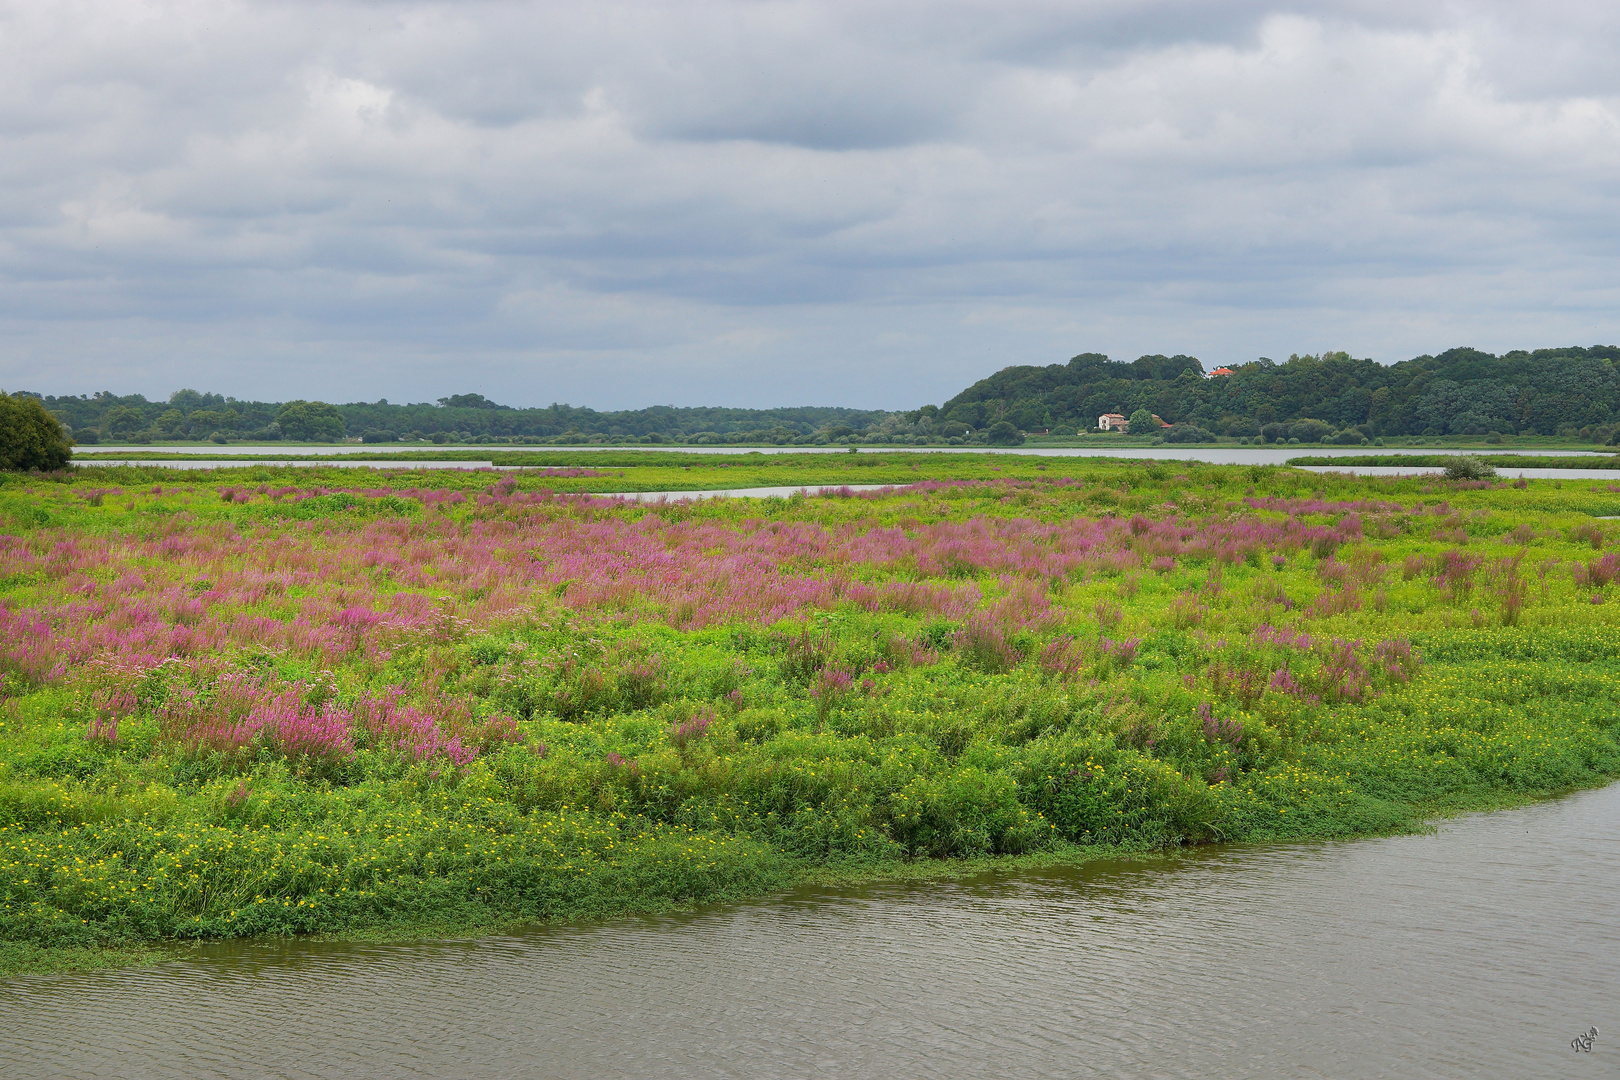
1157, 419
1222, 371
1112, 421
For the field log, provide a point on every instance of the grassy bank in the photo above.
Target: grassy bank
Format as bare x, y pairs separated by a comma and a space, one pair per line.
607, 471
1438, 462
436, 702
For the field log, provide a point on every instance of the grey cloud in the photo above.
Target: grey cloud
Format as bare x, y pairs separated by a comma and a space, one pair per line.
622, 203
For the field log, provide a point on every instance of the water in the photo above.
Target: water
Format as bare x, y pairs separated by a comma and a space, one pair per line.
1481, 950
230, 457
243, 463
1215, 455
1611, 475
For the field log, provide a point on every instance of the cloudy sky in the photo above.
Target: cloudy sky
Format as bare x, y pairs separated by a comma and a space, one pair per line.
774, 202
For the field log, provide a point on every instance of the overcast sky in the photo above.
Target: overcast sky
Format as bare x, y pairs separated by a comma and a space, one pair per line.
780, 203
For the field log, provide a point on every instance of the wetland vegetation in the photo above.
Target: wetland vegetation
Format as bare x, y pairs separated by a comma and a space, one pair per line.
278, 701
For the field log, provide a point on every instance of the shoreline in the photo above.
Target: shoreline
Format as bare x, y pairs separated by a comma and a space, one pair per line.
26, 960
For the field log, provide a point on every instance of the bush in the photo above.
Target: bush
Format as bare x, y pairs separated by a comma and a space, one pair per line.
1469, 467
30, 437
963, 813
1187, 433
1309, 431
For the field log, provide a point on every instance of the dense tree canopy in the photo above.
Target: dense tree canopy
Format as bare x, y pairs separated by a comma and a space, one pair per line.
1309, 397
30, 437
188, 414
310, 421
1459, 392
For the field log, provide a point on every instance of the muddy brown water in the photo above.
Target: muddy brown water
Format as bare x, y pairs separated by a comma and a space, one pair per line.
1480, 950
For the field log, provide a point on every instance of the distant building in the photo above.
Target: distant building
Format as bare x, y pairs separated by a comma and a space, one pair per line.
1113, 421
1222, 371
1157, 419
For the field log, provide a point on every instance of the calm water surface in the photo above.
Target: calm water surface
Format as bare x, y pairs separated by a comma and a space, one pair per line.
1218, 455
1478, 951
217, 462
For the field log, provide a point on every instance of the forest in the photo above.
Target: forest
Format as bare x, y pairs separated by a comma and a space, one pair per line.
1332, 396
1564, 391
189, 415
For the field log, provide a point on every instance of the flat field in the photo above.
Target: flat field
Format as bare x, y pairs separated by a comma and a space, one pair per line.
280, 701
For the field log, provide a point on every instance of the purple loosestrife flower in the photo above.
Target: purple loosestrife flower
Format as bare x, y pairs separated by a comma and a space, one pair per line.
1121, 652
831, 684
1215, 730
1283, 682
685, 733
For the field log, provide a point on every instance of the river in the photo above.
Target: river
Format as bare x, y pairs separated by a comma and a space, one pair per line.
1479, 950
1222, 454
245, 456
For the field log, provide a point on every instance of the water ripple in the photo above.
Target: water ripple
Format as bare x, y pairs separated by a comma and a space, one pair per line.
1477, 950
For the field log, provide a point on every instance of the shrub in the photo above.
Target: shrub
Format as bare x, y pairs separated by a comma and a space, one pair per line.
30, 437
966, 812
1469, 467
1187, 433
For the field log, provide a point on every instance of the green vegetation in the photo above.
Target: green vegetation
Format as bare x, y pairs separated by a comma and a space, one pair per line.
1573, 393
30, 437
323, 702
460, 418
1438, 462
638, 470
1327, 398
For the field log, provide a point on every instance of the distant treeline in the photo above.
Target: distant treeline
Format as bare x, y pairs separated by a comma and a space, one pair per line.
1568, 391
1329, 397
188, 414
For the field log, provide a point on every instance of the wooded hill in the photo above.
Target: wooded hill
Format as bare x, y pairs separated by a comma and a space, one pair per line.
1459, 392
1568, 391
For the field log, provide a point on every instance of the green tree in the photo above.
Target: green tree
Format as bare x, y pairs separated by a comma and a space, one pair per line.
1142, 423
122, 420
1002, 433
310, 421
203, 422
30, 437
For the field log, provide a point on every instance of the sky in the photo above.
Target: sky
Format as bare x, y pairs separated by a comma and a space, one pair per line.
872, 204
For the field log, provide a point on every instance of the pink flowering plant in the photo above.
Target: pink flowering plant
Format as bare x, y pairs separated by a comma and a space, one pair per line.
282, 701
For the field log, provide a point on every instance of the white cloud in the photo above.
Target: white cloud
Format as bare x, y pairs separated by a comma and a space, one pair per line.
768, 202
